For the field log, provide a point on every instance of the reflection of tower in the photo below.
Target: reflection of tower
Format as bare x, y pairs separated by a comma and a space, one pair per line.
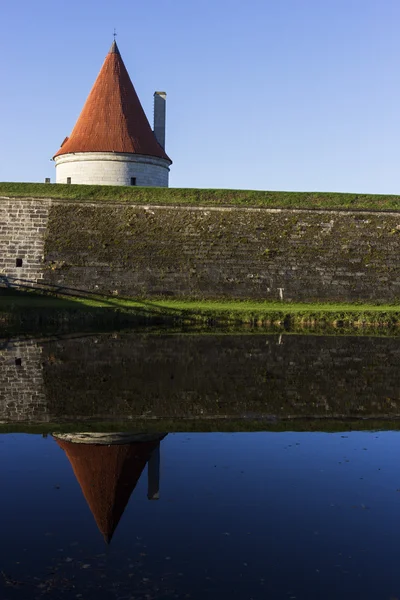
108, 467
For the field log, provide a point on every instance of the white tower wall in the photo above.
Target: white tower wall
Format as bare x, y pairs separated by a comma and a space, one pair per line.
111, 168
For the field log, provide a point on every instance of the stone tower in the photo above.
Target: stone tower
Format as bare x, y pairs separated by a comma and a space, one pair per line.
112, 142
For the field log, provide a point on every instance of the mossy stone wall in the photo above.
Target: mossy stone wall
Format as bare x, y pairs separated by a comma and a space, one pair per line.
211, 253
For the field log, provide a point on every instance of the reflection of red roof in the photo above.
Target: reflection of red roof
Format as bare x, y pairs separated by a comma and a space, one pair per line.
112, 119
107, 476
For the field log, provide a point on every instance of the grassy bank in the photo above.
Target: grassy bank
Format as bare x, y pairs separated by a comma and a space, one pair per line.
34, 309
203, 197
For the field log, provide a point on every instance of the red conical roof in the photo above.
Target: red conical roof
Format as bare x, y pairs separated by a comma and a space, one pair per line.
107, 476
113, 119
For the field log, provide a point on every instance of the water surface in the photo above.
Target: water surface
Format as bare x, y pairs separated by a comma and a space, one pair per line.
112, 503
241, 515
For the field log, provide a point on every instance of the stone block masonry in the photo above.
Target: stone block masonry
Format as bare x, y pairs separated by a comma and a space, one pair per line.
203, 253
217, 253
23, 225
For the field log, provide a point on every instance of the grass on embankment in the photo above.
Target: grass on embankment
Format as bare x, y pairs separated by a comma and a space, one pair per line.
202, 197
31, 305
255, 312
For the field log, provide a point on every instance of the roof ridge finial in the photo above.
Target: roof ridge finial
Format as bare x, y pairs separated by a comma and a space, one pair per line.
114, 48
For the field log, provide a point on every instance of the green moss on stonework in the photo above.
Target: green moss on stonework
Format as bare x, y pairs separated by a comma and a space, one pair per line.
212, 254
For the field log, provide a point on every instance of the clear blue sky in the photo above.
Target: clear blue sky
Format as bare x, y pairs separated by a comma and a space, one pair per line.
262, 94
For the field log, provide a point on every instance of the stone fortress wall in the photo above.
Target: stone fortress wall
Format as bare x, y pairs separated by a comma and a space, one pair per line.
23, 224
203, 253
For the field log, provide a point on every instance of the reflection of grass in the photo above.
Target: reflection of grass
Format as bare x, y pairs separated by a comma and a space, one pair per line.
202, 197
208, 425
33, 306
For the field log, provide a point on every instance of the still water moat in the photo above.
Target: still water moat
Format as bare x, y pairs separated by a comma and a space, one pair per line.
139, 466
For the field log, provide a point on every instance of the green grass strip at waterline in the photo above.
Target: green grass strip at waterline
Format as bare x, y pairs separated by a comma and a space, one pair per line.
228, 310
262, 312
203, 197
34, 299
214, 306
40, 300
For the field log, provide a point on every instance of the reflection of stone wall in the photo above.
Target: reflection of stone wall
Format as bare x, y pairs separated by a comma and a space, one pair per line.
122, 375
22, 396
128, 375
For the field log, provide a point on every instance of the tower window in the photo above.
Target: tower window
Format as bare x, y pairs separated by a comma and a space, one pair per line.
68, 179
18, 362
133, 180
18, 262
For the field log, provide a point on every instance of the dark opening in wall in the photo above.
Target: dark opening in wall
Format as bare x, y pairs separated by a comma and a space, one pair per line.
18, 262
68, 179
133, 180
18, 362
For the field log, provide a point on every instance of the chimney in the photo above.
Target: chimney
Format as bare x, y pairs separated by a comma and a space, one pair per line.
153, 474
159, 117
